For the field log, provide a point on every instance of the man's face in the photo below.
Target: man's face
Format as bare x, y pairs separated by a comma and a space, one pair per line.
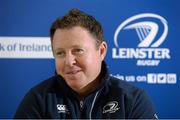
77, 59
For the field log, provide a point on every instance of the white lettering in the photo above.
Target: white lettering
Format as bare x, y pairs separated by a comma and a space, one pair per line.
141, 78
148, 62
141, 53
130, 78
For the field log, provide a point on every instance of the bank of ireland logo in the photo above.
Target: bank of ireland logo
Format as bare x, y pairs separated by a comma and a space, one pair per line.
148, 51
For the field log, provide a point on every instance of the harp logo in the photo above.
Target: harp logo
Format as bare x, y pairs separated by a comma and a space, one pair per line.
147, 28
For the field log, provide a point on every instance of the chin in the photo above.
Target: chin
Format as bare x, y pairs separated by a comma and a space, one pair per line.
76, 87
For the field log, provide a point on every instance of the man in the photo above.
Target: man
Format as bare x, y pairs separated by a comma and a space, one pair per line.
83, 88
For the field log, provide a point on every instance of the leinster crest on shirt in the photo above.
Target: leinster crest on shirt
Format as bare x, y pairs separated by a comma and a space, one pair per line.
111, 107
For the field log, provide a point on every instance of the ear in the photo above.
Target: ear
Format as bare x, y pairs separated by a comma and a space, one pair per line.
103, 50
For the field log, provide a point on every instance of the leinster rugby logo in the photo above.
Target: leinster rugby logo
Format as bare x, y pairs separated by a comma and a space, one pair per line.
111, 107
147, 27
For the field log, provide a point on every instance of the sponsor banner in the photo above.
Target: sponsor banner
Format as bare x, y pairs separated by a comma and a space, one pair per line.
147, 52
25, 47
143, 35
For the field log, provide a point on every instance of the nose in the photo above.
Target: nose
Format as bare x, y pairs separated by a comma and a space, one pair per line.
70, 60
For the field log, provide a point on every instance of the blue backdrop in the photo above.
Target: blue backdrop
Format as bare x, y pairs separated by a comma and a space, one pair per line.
153, 68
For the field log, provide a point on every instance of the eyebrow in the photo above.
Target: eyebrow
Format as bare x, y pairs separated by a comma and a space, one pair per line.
73, 46
76, 46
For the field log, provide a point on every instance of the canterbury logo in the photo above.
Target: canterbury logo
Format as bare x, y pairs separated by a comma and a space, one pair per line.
146, 30
62, 108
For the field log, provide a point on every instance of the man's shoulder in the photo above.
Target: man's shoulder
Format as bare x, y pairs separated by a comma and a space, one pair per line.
124, 87
47, 85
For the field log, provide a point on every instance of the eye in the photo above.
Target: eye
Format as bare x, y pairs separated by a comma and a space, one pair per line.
60, 54
78, 51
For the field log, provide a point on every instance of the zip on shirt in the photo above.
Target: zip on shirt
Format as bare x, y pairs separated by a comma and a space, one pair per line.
92, 106
81, 104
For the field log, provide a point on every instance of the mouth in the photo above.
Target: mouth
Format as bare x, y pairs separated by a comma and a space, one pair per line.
73, 72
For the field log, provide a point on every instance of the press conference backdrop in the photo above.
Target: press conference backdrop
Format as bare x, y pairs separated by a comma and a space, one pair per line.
143, 39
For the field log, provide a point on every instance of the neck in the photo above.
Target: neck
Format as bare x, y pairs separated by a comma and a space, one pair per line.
82, 93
